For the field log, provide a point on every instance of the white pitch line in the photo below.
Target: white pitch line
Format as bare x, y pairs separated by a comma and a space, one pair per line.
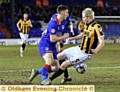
3, 71
104, 67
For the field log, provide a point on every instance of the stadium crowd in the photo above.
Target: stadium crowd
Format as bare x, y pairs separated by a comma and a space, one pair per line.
44, 13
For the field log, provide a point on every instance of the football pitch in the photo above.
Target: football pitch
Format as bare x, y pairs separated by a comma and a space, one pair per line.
103, 68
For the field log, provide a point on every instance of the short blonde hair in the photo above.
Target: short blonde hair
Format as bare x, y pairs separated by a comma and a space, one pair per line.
88, 12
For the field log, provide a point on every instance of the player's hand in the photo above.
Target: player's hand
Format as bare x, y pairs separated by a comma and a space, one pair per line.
81, 25
71, 38
73, 33
43, 33
30, 24
66, 35
19, 29
94, 51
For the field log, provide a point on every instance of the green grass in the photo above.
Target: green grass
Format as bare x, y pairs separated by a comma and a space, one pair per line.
104, 79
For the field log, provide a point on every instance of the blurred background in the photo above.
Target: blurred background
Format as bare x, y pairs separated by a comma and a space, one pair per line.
40, 11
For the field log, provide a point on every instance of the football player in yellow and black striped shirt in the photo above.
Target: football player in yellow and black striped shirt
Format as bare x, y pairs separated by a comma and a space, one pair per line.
92, 41
24, 26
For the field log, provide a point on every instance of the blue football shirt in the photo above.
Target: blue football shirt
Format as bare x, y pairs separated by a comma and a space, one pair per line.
53, 28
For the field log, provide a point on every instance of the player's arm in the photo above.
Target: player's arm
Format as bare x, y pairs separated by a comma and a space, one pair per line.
81, 28
52, 28
30, 23
55, 38
18, 25
70, 25
76, 37
44, 32
71, 28
60, 45
100, 39
100, 45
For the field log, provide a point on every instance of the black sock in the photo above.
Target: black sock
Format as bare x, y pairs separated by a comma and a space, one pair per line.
66, 71
61, 61
23, 46
56, 74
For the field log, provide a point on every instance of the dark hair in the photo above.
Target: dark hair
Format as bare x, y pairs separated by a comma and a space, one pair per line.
61, 8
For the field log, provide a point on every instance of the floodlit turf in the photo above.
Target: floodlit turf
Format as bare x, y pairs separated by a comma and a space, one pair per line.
103, 68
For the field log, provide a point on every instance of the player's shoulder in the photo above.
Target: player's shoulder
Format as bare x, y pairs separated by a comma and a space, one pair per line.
54, 16
20, 20
97, 25
53, 23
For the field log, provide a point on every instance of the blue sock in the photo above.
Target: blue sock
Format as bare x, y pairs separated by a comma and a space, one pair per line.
45, 72
39, 71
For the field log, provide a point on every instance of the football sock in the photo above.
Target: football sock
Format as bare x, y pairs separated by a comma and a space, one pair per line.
56, 74
23, 46
66, 71
45, 71
39, 71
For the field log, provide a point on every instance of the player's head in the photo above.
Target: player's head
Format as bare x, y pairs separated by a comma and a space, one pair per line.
87, 15
25, 16
62, 10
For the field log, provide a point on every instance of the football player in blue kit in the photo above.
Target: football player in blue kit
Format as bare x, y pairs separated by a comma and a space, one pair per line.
69, 27
68, 22
55, 32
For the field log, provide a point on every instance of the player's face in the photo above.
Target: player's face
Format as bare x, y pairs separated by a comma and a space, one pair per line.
25, 16
65, 14
84, 18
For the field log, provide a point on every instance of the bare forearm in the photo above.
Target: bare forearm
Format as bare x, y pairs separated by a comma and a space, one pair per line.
56, 38
18, 26
100, 45
78, 36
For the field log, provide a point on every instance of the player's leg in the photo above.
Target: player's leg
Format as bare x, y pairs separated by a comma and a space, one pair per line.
35, 72
74, 58
61, 57
22, 36
48, 57
61, 70
51, 63
25, 41
53, 68
47, 67
22, 48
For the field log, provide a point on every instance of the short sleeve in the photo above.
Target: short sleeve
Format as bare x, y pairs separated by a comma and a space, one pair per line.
99, 30
52, 29
20, 21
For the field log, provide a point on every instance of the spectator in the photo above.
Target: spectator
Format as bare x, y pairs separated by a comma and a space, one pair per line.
100, 3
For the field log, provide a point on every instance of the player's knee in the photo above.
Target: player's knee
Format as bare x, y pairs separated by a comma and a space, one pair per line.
56, 68
63, 66
61, 56
25, 42
52, 63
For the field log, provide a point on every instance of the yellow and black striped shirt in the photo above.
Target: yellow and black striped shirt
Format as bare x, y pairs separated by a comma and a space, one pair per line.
24, 25
92, 31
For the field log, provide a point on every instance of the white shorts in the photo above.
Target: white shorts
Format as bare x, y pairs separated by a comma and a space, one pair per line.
24, 37
76, 56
